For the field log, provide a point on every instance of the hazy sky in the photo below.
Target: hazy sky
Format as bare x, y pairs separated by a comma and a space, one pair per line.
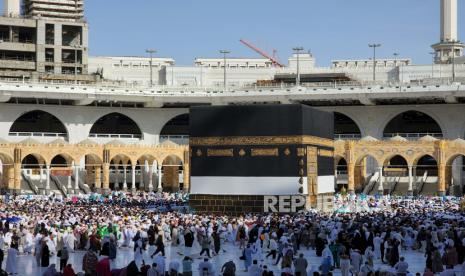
331, 29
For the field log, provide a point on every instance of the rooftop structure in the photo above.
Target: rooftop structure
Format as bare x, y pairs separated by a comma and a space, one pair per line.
133, 70
55, 9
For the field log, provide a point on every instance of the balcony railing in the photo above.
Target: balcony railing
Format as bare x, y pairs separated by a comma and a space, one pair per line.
141, 87
413, 136
116, 136
354, 136
38, 134
178, 139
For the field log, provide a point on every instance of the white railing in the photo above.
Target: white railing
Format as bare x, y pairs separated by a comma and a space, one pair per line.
347, 136
230, 88
38, 134
178, 139
413, 136
116, 136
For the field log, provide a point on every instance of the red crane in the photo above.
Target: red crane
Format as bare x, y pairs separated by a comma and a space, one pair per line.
273, 58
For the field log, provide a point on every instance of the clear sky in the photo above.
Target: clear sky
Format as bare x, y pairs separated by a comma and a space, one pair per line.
331, 29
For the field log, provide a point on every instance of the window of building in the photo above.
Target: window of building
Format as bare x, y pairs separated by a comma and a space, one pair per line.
49, 34
49, 69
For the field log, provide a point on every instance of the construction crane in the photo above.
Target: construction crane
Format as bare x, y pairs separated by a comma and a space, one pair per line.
273, 58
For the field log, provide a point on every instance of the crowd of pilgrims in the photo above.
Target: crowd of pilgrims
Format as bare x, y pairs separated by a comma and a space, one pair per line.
362, 244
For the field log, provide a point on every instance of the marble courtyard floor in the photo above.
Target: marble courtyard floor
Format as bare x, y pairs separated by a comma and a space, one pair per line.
27, 264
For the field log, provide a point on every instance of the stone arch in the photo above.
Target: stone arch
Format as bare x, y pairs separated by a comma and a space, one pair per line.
6, 163
365, 166
6, 158
412, 121
341, 164
171, 167
121, 167
345, 127
39, 121
126, 159
338, 157
363, 156
341, 170
455, 171
61, 160
424, 163
116, 125
93, 169
395, 165
91, 159
150, 158
450, 159
33, 160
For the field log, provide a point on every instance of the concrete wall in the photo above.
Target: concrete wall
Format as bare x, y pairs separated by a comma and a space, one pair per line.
370, 119
79, 120
373, 119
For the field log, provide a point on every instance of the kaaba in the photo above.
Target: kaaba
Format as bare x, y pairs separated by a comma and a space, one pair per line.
240, 154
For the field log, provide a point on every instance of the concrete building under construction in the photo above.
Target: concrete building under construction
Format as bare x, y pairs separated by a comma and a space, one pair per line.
44, 40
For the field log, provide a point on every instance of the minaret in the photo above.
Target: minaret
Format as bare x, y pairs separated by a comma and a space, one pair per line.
449, 46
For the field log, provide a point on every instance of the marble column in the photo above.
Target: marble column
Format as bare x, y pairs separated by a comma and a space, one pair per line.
41, 175
410, 181
141, 182
116, 176
351, 178
442, 179
47, 181
70, 185
160, 187
133, 180
381, 180
98, 178
76, 178
106, 177
125, 178
150, 187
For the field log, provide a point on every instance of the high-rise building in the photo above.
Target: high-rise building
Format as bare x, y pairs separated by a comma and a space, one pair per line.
56, 9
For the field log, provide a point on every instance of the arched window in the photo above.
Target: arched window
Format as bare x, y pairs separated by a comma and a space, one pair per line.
176, 130
345, 127
115, 125
40, 124
413, 125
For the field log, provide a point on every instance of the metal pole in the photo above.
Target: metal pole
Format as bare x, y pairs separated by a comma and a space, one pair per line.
151, 69
395, 64
453, 65
374, 46
374, 64
224, 52
151, 52
297, 50
224, 70
433, 55
298, 69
